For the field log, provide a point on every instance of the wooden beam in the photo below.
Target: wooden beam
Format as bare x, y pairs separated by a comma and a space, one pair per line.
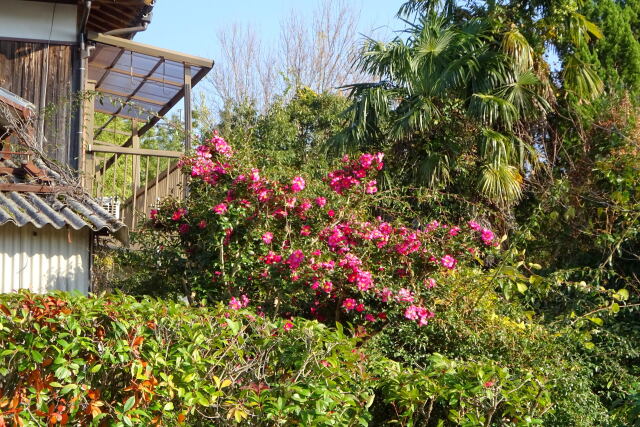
106, 148
146, 49
34, 188
125, 95
133, 93
142, 76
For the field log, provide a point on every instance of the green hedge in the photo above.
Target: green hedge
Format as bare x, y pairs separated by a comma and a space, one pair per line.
116, 360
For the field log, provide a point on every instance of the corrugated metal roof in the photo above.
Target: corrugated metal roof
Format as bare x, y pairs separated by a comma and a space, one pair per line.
57, 209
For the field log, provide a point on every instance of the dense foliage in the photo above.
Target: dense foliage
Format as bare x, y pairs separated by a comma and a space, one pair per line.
118, 361
481, 237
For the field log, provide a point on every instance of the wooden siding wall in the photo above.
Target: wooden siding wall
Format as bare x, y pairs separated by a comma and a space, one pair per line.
22, 65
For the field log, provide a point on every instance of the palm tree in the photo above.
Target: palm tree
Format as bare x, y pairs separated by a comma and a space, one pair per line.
477, 75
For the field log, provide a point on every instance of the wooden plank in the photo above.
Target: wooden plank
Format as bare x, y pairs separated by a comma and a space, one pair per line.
35, 188
135, 97
104, 148
146, 49
142, 76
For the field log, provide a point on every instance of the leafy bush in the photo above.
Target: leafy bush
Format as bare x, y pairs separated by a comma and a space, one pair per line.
116, 360
119, 361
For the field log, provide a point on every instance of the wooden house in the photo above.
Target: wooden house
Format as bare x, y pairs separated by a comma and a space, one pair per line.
70, 71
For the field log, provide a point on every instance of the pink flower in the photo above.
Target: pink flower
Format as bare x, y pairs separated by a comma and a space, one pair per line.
386, 294
327, 287
290, 203
203, 151
245, 300
255, 175
430, 283
487, 236
222, 146
362, 279
404, 295
272, 258
220, 208
454, 231
369, 317
288, 326
331, 213
305, 205
183, 228
295, 259
153, 213
202, 224
371, 187
306, 230
411, 313
235, 304
448, 261
267, 237
360, 308
297, 184
321, 201
177, 215
263, 194
349, 304
474, 225
488, 384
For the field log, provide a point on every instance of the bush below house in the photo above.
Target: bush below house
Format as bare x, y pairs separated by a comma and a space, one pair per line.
116, 360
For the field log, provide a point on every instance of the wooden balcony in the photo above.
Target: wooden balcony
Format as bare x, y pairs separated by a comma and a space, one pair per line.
133, 86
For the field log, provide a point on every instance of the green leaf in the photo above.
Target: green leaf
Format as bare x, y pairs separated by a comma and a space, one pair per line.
168, 406
129, 403
66, 389
615, 307
37, 356
598, 321
522, 288
623, 294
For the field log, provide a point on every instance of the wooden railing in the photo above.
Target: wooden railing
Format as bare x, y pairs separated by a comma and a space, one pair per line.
136, 180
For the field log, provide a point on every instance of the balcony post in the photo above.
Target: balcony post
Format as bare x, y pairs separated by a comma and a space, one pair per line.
88, 158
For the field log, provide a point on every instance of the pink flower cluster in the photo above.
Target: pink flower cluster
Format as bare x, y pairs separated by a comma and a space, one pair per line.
354, 172
419, 314
487, 236
237, 304
338, 259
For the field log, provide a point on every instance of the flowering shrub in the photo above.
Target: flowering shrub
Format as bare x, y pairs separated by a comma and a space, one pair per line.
319, 253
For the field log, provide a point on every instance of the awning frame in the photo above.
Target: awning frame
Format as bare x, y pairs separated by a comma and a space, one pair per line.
188, 81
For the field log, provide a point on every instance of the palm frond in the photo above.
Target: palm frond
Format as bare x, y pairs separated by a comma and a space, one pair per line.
580, 79
433, 169
492, 109
515, 45
501, 183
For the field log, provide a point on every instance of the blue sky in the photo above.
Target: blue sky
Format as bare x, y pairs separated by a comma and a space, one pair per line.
190, 26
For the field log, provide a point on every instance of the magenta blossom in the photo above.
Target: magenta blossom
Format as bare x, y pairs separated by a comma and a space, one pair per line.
297, 184
448, 261
267, 237
487, 236
288, 326
177, 215
220, 208
349, 304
